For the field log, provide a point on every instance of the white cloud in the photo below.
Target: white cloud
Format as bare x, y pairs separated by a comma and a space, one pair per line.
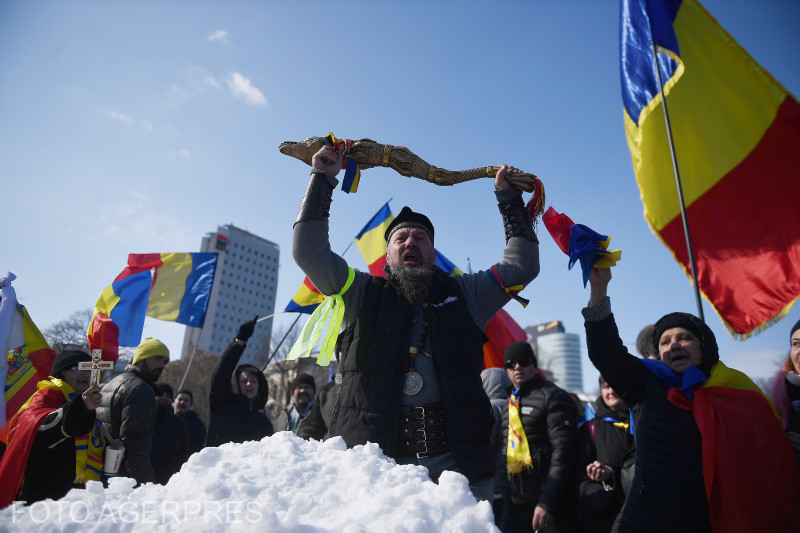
241, 88
137, 218
211, 82
218, 35
115, 115
126, 119
182, 153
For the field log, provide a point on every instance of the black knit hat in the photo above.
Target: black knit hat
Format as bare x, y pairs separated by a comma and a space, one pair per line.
408, 218
794, 328
708, 342
66, 360
520, 351
304, 379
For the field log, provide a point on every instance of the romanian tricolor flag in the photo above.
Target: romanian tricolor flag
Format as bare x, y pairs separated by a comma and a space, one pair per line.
306, 299
27, 365
737, 424
582, 244
171, 286
737, 139
371, 242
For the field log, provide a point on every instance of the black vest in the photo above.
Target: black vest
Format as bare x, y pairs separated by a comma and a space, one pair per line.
374, 366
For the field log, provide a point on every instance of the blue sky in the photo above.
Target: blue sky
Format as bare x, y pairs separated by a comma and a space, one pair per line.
136, 127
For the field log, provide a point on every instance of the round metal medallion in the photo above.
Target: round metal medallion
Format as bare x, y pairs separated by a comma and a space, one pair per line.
412, 384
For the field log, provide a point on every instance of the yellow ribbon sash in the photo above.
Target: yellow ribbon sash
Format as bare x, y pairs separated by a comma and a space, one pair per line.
88, 448
518, 455
330, 311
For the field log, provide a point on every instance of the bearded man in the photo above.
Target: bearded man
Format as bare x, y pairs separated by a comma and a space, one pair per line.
411, 375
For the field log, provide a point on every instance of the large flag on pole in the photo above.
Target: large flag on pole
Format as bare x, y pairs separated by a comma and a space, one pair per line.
737, 139
170, 286
27, 355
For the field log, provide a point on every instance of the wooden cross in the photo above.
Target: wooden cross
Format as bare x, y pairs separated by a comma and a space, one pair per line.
96, 366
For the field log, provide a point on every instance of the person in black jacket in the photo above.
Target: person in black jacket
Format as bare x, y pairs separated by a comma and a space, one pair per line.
754, 479
603, 444
128, 408
538, 497
170, 440
43, 455
411, 377
194, 426
238, 396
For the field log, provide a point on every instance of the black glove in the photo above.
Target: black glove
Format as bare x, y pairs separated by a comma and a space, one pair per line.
246, 329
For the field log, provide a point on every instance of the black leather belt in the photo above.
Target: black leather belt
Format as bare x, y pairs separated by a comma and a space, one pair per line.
422, 431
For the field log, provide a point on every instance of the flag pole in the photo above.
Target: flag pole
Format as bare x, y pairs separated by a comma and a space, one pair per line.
680, 187
191, 358
279, 344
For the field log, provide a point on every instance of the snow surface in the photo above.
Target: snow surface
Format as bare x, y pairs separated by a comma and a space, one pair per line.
280, 484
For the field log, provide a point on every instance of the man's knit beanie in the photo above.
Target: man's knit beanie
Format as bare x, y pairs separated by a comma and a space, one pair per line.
520, 351
148, 348
304, 379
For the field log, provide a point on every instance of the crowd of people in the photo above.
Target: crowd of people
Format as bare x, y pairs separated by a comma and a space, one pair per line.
675, 441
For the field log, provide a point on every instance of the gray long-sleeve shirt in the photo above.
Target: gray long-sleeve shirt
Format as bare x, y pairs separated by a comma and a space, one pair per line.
328, 272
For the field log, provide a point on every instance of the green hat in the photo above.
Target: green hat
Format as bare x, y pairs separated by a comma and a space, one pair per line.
148, 348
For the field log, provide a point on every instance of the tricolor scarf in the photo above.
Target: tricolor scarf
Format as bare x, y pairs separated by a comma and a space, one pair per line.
51, 395
751, 473
518, 455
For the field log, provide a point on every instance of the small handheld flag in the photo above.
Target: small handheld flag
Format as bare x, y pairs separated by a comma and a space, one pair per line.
580, 243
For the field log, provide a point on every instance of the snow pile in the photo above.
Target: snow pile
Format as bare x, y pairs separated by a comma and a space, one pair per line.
280, 484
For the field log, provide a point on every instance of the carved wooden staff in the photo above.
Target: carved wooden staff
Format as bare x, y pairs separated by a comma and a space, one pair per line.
368, 154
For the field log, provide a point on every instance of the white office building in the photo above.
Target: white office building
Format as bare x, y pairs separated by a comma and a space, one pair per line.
559, 353
245, 285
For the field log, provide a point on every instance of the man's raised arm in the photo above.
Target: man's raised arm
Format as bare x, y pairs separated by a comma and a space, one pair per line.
311, 247
520, 263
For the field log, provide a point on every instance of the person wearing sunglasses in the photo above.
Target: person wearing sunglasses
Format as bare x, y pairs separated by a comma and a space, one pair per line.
537, 449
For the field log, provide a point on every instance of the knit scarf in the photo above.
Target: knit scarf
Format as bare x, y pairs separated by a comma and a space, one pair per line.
88, 448
751, 474
518, 455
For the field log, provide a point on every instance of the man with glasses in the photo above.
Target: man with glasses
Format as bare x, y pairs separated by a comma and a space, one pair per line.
128, 408
539, 455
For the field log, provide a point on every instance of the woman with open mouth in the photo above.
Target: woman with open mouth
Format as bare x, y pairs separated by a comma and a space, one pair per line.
710, 451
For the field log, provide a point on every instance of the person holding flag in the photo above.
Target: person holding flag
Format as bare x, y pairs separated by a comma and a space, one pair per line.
411, 376
710, 451
55, 442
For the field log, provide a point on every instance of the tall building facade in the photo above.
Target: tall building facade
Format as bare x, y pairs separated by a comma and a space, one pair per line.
245, 285
559, 353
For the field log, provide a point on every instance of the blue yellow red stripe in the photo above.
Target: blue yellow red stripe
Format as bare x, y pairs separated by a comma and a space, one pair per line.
737, 138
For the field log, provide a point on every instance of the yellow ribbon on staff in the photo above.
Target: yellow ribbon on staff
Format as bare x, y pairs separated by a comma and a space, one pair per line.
330, 311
